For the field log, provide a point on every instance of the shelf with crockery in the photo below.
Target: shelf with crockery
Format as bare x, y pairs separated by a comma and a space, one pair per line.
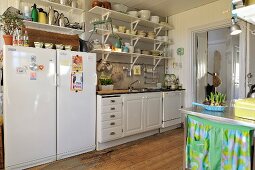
128, 18
55, 5
52, 28
103, 51
131, 36
246, 13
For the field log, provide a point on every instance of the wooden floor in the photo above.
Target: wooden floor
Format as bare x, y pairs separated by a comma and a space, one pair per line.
159, 152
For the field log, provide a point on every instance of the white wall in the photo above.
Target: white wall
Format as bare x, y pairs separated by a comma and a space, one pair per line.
184, 23
217, 42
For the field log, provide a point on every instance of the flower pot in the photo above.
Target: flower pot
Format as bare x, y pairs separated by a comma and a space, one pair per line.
105, 87
8, 39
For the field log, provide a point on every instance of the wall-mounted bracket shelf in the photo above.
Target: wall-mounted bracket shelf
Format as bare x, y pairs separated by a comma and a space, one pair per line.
127, 18
52, 28
55, 5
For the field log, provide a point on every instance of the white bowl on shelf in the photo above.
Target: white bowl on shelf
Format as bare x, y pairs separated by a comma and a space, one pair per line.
145, 14
133, 13
120, 8
155, 19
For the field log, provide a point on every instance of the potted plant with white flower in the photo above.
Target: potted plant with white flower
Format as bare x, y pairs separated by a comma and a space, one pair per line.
9, 23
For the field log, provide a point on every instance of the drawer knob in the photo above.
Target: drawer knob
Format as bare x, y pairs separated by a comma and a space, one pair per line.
112, 133
113, 108
113, 123
112, 116
113, 101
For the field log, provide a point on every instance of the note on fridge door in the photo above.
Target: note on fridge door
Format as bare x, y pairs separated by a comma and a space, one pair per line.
77, 64
77, 81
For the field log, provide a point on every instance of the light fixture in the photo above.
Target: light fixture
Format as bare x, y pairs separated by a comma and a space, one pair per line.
235, 28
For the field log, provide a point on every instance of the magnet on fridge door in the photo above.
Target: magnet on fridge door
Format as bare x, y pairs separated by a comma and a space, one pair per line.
33, 76
77, 81
33, 59
20, 70
41, 67
77, 64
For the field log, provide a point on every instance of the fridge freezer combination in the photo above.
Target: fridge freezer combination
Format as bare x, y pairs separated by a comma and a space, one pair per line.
49, 105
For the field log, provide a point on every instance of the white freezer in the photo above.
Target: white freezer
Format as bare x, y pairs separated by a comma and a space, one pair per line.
76, 111
29, 106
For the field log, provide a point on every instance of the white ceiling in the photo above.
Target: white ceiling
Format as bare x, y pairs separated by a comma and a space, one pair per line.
164, 7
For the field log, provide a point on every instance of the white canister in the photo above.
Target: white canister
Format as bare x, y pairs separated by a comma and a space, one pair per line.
27, 12
131, 49
155, 19
63, 2
145, 14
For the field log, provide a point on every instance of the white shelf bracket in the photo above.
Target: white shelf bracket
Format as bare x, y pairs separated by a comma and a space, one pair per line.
157, 45
106, 37
157, 30
105, 56
134, 41
106, 16
156, 62
134, 24
134, 58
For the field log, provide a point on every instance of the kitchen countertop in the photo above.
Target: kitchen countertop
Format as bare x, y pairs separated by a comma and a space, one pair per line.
228, 116
109, 92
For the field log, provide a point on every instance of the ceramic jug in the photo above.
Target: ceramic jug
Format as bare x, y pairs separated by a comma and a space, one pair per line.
52, 16
42, 16
34, 13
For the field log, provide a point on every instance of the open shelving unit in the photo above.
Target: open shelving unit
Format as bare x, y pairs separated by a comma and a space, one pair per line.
55, 5
107, 14
127, 18
134, 56
52, 28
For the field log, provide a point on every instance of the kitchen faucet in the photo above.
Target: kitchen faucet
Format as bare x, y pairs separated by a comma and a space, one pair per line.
130, 86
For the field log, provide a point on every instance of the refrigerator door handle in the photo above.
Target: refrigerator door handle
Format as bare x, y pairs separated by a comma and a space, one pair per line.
55, 80
95, 77
58, 80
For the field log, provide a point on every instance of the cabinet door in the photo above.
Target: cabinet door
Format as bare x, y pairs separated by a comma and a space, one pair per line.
171, 106
153, 111
133, 114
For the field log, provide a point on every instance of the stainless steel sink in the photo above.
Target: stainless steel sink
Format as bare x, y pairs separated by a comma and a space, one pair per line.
137, 90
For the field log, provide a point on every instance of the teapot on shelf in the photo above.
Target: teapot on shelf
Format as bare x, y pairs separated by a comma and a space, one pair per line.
63, 21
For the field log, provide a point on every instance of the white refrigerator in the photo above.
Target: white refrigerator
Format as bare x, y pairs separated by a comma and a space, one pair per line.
76, 105
49, 108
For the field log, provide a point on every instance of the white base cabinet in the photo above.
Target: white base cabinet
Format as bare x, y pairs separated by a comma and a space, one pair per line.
126, 117
142, 112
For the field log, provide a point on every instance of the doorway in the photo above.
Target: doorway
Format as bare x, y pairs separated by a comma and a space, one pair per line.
217, 53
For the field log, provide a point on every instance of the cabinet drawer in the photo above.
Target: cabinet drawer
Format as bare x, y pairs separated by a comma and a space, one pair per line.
111, 116
112, 123
111, 101
111, 133
111, 108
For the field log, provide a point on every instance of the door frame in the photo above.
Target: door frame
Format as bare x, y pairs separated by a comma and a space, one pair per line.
192, 41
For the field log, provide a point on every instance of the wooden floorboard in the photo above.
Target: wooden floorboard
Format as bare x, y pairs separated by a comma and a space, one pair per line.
159, 152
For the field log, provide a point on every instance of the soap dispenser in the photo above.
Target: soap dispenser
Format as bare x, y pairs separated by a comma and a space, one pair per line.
34, 13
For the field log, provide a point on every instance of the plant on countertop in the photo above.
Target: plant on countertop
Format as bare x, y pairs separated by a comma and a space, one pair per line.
216, 99
105, 81
10, 23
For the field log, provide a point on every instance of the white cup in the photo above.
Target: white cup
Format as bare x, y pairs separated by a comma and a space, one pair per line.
131, 49
63, 2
